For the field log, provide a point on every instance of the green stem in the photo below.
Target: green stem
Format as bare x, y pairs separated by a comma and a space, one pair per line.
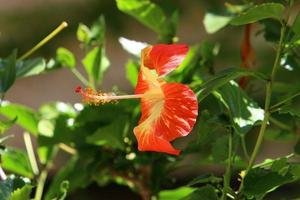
227, 175
43, 176
44, 41
41, 183
80, 76
30, 153
244, 147
284, 101
267, 105
280, 124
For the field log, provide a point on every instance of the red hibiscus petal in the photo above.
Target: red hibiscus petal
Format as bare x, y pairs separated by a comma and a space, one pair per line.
164, 58
166, 118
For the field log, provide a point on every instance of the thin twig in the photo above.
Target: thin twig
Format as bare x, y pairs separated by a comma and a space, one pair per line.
44, 41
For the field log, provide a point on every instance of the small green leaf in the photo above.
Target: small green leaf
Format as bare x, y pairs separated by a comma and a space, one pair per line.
213, 22
208, 178
132, 72
95, 64
83, 33
111, 135
259, 12
176, 194
7, 72
26, 117
11, 156
21, 193
5, 125
65, 57
31, 67
204, 193
146, 12
220, 149
244, 112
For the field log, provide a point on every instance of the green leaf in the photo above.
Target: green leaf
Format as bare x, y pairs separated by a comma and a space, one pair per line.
132, 72
83, 33
243, 111
258, 182
95, 61
259, 12
11, 156
5, 125
176, 194
30, 67
213, 22
208, 178
111, 135
21, 193
296, 26
65, 57
133, 47
146, 12
221, 79
7, 72
95, 64
204, 193
26, 117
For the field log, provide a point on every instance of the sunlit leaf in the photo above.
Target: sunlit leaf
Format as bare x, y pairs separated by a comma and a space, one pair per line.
213, 22
144, 11
11, 156
133, 47
259, 12
30, 67
26, 117
176, 194
65, 57
204, 193
244, 112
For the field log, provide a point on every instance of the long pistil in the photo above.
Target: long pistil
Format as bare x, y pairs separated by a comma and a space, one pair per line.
90, 96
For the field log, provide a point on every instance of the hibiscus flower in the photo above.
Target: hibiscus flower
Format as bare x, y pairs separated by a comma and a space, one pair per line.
169, 110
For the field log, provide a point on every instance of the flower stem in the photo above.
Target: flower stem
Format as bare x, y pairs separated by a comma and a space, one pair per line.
244, 147
80, 76
267, 104
227, 176
44, 41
